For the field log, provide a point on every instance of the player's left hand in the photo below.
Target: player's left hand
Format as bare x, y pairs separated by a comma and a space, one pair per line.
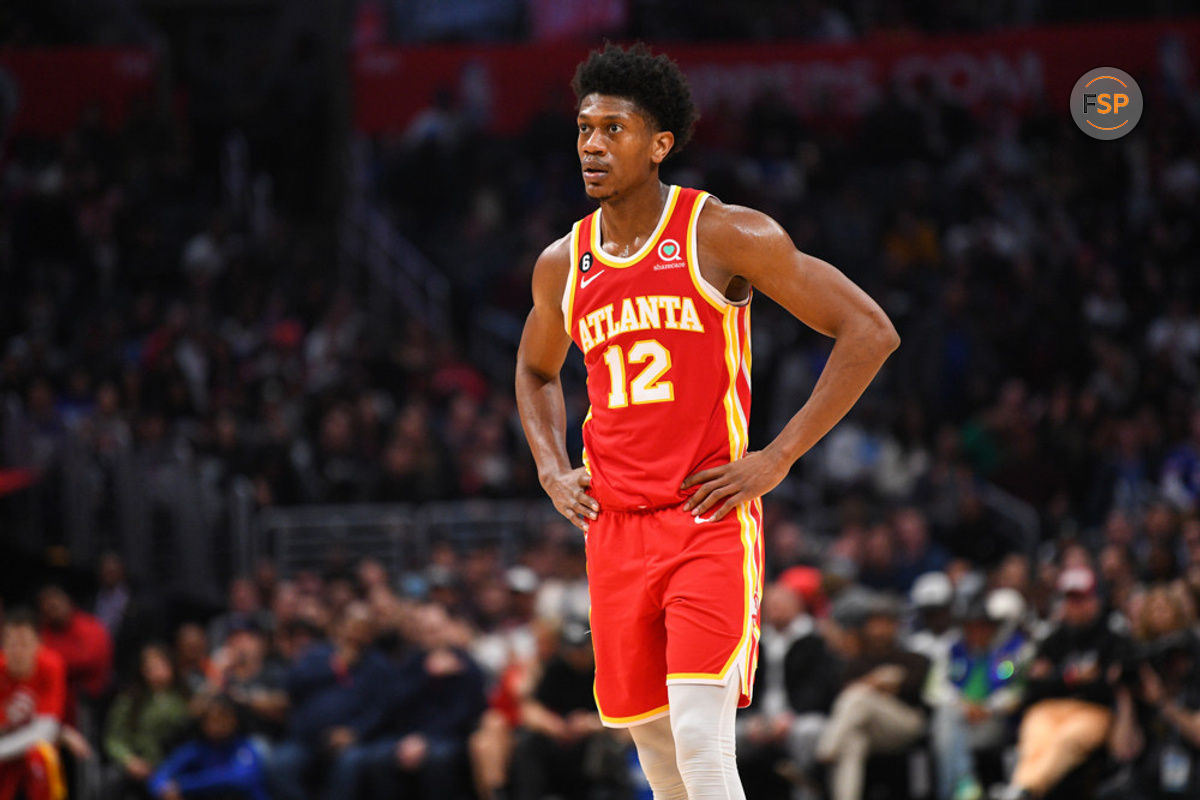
737, 482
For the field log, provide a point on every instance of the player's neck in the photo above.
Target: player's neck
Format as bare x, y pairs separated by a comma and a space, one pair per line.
630, 219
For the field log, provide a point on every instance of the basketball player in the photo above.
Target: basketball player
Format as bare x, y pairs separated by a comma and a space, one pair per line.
654, 287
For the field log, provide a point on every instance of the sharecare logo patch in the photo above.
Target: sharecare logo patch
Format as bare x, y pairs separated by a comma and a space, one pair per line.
669, 250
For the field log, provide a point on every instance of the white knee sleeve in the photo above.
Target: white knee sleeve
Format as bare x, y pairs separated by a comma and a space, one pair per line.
702, 721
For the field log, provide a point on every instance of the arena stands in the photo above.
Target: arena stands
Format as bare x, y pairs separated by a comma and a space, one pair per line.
271, 484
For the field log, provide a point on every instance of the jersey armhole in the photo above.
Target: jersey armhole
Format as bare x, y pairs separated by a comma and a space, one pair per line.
568, 298
706, 289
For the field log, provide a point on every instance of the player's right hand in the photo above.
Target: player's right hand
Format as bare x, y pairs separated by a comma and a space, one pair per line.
568, 491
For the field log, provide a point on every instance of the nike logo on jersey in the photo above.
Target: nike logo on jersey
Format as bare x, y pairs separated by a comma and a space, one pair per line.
586, 279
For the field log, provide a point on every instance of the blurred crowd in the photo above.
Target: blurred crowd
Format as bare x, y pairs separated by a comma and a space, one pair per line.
167, 299
122, 22
1072, 675
163, 307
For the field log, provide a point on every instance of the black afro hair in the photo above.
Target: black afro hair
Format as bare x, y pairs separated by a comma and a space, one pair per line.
654, 82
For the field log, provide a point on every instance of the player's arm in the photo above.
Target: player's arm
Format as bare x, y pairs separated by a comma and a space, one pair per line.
544, 346
739, 244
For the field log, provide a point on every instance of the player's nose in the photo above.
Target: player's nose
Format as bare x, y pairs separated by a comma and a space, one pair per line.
593, 143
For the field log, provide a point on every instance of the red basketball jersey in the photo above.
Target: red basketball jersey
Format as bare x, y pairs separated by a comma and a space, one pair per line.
43, 693
667, 356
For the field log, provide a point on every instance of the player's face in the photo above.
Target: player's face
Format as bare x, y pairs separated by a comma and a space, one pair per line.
619, 146
20, 650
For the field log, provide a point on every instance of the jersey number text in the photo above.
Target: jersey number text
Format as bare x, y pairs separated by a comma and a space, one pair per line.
645, 386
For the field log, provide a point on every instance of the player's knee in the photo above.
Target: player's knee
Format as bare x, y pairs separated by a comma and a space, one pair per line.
695, 738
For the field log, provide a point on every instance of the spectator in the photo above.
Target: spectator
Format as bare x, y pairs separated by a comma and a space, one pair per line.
129, 617
1165, 676
880, 707
143, 721
221, 762
563, 595
191, 658
986, 663
33, 689
245, 608
507, 632
564, 749
114, 595
243, 672
916, 555
82, 642
1181, 469
932, 597
436, 703
934, 633
794, 686
1071, 678
334, 692
492, 744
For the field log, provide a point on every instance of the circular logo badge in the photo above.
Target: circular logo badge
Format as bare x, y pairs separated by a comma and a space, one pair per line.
668, 250
1106, 103
585, 262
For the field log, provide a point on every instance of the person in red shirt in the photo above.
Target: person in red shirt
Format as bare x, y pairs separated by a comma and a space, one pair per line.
33, 689
81, 640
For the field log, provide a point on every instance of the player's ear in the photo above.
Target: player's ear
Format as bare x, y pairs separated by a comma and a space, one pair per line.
660, 145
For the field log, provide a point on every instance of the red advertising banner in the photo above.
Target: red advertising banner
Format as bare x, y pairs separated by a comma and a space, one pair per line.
504, 87
46, 90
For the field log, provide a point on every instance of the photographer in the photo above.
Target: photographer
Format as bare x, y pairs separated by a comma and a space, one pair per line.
1164, 678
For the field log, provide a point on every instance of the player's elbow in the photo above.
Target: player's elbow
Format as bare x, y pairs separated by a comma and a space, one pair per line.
883, 335
530, 378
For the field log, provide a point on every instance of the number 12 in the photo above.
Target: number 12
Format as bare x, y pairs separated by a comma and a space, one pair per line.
646, 386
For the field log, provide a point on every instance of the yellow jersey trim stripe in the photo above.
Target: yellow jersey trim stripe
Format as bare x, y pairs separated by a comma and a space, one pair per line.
748, 529
731, 366
635, 718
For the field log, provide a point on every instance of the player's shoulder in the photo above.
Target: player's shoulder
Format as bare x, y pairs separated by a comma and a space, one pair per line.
726, 225
551, 270
557, 253
554, 260
737, 229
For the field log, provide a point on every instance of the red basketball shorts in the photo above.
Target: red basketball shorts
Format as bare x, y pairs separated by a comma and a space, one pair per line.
673, 601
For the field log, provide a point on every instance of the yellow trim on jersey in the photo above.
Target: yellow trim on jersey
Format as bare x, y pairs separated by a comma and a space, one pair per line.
644, 716
738, 437
586, 419
739, 414
568, 302
749, 536
734, 414
628, 261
